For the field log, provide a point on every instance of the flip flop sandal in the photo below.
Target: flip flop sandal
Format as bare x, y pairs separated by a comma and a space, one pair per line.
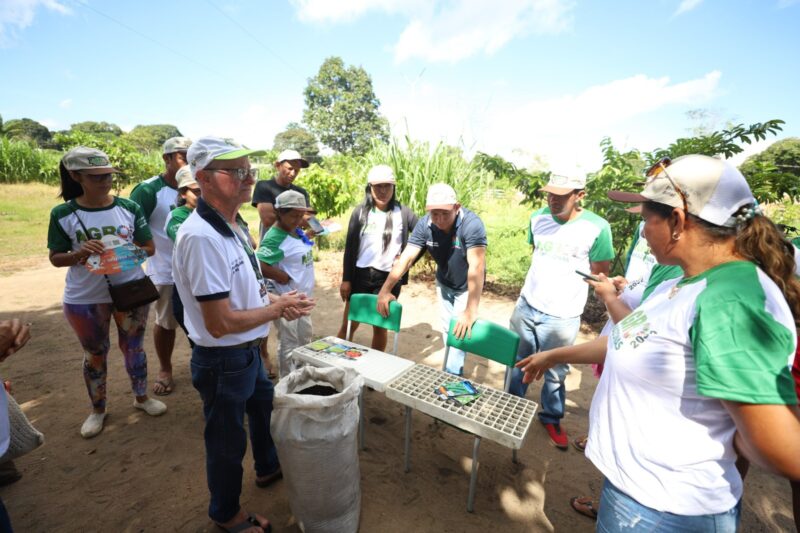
580, 444
167, 386
584, 506
247, 523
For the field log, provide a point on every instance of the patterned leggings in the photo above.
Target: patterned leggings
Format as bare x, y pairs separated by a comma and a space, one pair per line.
91, 323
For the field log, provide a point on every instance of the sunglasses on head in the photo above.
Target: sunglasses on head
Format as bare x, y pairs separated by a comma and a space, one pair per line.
659, 167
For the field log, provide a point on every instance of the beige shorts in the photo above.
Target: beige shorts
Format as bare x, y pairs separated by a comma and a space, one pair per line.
164, 316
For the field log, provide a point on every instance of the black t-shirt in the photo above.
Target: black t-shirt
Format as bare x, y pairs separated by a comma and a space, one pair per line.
266, 192
449, 250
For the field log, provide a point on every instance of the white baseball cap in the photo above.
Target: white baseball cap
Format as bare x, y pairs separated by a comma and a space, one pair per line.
176, 144
291, 155
560, 184
184, 177
207, 149
381, 174
440, 196
714, 189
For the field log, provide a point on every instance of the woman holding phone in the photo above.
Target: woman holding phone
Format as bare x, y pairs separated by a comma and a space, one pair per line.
699, 373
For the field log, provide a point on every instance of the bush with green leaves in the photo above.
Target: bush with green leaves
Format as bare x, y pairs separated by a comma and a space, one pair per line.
24, 162
135, 165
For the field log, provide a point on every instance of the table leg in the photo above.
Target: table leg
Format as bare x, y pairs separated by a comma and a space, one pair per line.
361, 419
473, 479
407, 465
514, 457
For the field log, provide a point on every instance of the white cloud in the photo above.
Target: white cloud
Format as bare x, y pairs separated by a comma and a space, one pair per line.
460, 30
686, 6
450, 31
50, 123
17, 15
564, 131
66, 103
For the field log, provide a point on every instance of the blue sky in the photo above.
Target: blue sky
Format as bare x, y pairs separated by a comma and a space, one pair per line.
537, 81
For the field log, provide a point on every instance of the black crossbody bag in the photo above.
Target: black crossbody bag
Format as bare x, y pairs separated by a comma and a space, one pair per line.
131, 294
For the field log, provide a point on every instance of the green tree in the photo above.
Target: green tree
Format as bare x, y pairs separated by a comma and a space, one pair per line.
342, 109
775, 171
151, 137
726, 142
28, 129
97, 128
296, 137
1, 125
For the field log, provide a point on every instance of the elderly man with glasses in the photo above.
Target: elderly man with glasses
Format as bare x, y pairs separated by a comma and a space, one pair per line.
227, 311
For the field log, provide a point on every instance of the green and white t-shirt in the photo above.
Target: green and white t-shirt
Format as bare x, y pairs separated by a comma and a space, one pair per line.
122, 218
157, 199
176, 217
370, 250
658, 429
559, 249
288, 252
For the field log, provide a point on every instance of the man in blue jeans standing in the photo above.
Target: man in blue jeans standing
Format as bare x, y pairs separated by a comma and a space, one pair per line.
456, 239
227, 312
565, 238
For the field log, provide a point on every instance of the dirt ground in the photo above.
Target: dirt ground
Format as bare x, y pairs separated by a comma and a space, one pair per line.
148, 474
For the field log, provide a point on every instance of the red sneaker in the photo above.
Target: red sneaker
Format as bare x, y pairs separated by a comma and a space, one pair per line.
558, 437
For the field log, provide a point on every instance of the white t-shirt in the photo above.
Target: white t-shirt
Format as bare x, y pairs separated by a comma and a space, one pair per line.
123, 218
157, 199
288, 252
561, 248
657, 429
370, 251
211, 265
640, 263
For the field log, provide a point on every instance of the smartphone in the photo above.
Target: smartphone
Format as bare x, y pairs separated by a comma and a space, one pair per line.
584, 275
314, 224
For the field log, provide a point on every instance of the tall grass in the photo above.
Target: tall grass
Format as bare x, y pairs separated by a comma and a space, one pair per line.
417, 166
21, 162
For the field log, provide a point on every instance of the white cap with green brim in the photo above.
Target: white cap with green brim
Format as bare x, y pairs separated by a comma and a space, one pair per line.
88, 161
207, 149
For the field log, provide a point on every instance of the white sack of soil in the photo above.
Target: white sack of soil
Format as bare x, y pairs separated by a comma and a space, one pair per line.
314, 426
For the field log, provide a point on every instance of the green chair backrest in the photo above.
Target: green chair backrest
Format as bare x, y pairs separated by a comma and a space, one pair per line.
363, 308
488, 340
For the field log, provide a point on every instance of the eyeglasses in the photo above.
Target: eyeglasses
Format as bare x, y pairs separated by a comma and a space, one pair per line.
659, 166
239, 173
195, 190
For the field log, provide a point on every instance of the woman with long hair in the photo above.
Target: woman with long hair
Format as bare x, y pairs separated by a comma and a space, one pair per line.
89, 217
698, 374
378, 231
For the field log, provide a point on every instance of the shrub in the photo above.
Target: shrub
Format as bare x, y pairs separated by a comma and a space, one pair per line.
24, 162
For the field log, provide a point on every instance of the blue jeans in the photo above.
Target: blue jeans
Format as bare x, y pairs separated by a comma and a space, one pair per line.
620, 513
451, 304
231, 382
538, 332
5, 521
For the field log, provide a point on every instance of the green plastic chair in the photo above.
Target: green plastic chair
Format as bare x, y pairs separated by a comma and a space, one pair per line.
364, 309
490, 341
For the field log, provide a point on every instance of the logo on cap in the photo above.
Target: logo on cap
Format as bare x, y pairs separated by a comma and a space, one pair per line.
97, 161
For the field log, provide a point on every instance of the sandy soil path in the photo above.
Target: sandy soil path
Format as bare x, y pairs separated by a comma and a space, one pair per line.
147, 474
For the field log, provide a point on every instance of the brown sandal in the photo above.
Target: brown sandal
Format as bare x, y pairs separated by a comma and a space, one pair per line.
584, 506
580, 444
